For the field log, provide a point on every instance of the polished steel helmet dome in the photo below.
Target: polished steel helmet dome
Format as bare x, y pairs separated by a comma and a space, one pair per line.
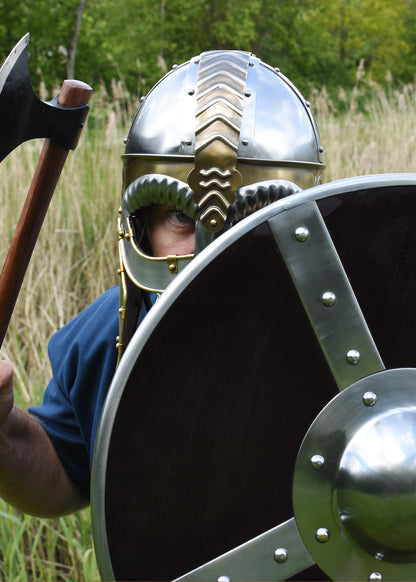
230, 111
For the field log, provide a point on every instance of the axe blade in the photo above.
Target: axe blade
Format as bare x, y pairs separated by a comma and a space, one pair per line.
23, 116
9, 64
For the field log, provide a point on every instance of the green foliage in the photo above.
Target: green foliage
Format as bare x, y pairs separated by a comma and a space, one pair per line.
46, 550
318, 42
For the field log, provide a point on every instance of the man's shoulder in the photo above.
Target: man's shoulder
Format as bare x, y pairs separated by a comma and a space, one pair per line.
107, 301
97, 323
106, 305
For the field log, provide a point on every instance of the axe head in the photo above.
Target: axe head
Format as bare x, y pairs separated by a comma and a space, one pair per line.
23, 116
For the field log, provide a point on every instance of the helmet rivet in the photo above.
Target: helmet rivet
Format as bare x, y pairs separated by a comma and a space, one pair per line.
174, 66
223, 579
369, 398
187, 142
353, 357
302, 233
322, 535
321, 149
142, 99
277, 69
251, 64
375, 576
281, 555
172, 268
307, 103
213, 222
247, 93
329, 298
317, 461
244, 141
191, 92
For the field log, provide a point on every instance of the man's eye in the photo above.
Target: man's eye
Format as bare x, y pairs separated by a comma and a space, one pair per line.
180, 217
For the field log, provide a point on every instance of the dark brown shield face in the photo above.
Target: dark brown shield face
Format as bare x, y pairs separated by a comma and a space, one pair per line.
206, 414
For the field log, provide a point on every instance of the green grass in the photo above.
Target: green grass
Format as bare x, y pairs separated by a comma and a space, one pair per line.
76, 260
38, 549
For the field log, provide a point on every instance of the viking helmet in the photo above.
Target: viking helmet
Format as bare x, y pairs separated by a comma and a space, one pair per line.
216, 138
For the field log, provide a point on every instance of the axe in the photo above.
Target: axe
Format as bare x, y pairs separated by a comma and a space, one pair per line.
24, 117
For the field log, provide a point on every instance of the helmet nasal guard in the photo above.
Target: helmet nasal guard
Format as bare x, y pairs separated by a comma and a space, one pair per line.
217, 138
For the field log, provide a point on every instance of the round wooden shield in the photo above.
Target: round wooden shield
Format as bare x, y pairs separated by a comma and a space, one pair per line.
206, 413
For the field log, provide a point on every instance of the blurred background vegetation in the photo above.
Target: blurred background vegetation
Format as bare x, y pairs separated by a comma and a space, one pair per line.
313, 42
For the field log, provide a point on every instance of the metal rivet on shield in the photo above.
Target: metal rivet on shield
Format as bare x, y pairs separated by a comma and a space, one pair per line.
329, 298
317, 461
375, 576
353, 357
369, 398
322, 535
302, 233
281, 555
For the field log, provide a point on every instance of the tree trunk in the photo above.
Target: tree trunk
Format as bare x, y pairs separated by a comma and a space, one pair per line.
342, 35
70, 65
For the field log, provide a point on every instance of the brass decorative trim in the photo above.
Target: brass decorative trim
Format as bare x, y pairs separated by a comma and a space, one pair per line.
220, 96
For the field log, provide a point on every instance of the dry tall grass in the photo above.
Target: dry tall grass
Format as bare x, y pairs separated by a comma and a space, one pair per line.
76, 260
376, 138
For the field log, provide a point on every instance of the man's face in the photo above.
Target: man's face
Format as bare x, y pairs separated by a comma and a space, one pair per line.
170, 231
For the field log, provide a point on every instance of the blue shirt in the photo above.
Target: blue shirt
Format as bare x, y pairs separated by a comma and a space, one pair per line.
83, 356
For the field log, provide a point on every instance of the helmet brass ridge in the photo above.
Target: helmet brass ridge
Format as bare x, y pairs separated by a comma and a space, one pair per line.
217, 138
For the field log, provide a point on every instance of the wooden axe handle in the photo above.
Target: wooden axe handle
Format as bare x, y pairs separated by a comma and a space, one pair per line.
48, 170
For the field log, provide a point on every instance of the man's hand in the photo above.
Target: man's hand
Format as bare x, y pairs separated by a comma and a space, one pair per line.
32, 477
